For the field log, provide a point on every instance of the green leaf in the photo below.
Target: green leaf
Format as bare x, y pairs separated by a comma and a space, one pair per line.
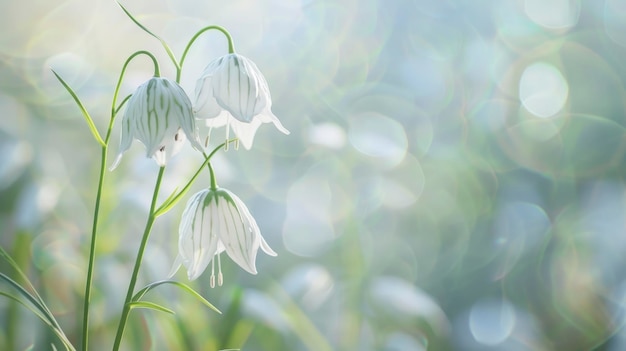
171, 201
35, 311
16, 267
20, 289
38, 314
35, 299
149, 305
165, 46
122, 103
168, 203
140, 294
92, 126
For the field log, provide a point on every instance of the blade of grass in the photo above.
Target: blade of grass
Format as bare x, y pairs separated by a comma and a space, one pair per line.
168, 203
82, 108
33, 297
140, 294
33, 292
150, 305
163, 43
59, 333
35, 311
20, 289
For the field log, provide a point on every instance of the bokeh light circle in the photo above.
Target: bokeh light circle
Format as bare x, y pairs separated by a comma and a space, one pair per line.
553, 14
542, 89
491, 321
379, 137
615, 21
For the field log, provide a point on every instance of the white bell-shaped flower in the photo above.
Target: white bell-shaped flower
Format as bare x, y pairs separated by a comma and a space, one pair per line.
232, 92
216, 220
159, 114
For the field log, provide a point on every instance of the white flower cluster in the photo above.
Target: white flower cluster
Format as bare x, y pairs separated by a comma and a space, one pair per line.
231, 92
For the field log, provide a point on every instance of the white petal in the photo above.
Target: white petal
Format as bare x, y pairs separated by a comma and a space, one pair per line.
261, 90
266, 248
116, 163
251, 222
177, 262
155, 114
220, 120
128, 133
150, 116
198, 241
205, 105
180, 106
239, 240
185, 247
170, 147
245, 131
238, 88
267, 116
233, 92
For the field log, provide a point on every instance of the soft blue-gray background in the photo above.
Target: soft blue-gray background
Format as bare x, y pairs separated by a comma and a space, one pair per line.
454, 177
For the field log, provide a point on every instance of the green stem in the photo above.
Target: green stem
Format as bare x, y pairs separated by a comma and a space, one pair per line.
157, 73
231, 46
213, 181
92, 251
169, 203
165, 46
103, 161
133, 279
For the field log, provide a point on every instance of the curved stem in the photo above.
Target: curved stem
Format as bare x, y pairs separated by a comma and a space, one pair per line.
231, 46
213, 181
157, 73
167, 205
165, 46
94, 228
133, 280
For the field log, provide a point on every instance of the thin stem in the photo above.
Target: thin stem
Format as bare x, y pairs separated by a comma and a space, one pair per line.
165, 46
103, 161
213, 181
92, 250
157, 73
168, 204
231, 46
142, 247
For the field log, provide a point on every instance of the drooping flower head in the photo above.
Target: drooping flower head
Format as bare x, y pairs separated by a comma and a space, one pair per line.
232, 92
159, 114
214, 221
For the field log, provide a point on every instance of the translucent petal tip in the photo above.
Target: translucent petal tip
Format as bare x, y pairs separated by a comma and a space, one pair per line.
116, 162
175, 266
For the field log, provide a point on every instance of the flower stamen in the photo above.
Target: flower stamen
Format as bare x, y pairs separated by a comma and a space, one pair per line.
220, 277
212, 280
